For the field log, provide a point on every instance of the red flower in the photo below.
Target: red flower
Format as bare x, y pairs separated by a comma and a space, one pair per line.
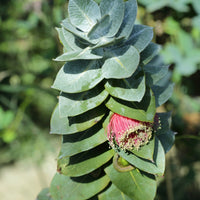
127, 133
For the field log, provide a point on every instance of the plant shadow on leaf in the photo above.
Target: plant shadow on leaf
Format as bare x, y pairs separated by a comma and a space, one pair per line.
143, 105
77, 67
142, 111
128, 83
84, 95
101, 28
76, 137
129, 89
89, 154
93, 176
89, 115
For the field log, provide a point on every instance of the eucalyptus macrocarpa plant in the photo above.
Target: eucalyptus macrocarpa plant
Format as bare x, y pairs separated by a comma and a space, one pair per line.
111, 83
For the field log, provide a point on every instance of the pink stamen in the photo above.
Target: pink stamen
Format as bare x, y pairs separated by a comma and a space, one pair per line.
127, 133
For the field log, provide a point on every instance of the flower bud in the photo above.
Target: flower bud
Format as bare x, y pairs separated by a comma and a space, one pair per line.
127, 133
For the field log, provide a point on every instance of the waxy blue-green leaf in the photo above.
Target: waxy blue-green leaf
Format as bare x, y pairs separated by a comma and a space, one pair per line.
83, 141
149, 52
65, 187
85, 162
82, 54
157, 166
107, 120
71, 40
146, 151
78, 103
68, 26
121, 65
115, 9
130, 14
78, 76
105, 41
101, 28
162, 94
165, 135
65, 43
167, 139
140, 37
113, 193
83, 14
163, 89
69, 125
157, 60
154, 73
164, 122
142, 111
129, 89
135, 184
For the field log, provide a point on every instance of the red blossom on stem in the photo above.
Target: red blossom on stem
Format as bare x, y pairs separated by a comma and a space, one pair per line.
127, 133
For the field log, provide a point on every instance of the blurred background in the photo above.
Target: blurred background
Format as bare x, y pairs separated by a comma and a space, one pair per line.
29, 42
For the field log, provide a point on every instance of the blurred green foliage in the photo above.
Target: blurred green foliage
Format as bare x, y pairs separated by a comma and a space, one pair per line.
28, 43
177, 28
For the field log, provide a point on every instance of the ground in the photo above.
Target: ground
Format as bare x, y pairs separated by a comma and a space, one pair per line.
25, 179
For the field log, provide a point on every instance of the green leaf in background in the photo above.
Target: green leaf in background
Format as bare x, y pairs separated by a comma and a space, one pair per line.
78, 76
186, 62
142, 111
178, 5
184, 41
129, 89
113, 193
83, 14
130, 14
171, 53
115, 9
98, 1
135, 184
189, 64
83, 141
121, 66
8, 135
196, 22
78, 103
83, 54
6, 117
69, 125
84, 187
153, 5
196, 5
149, 52
140, 37
156, 167
85, 162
